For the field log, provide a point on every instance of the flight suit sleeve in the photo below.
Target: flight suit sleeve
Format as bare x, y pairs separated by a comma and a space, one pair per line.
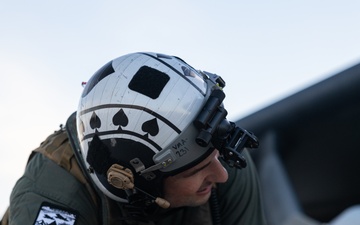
240, 197
47, 193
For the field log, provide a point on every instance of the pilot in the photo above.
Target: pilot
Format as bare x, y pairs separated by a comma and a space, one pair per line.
148, 144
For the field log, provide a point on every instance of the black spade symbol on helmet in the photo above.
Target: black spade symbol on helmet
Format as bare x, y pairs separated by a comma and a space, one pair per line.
95, 121
151, 127
120, 119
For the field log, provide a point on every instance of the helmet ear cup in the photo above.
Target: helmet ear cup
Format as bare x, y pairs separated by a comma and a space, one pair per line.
120, 177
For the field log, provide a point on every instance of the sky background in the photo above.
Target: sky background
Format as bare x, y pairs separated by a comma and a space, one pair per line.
264, 50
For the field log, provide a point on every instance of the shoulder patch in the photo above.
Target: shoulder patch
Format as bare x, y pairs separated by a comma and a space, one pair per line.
55, 215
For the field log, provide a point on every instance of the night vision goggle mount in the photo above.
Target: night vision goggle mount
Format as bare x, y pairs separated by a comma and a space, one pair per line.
228, 138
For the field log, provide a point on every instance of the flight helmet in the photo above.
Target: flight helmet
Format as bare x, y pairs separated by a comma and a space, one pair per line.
144, 116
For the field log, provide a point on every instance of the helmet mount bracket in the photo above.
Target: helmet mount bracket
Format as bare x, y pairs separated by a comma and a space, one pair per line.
213, 127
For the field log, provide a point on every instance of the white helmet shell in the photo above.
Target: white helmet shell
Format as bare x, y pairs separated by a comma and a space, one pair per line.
142, 105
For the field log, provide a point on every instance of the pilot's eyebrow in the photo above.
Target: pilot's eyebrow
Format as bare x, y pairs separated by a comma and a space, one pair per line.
197, 170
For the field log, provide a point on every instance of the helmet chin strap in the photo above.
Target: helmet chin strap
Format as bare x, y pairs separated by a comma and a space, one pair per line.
122, 178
